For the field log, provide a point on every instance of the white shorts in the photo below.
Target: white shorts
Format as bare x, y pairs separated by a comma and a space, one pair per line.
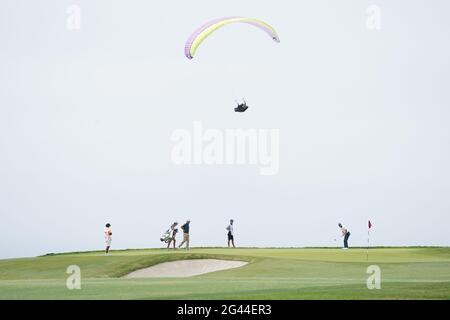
108, 242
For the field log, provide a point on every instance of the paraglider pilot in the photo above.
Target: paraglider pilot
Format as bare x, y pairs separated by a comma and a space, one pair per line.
241, 107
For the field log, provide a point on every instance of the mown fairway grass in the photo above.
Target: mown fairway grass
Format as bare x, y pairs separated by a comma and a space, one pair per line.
407, 273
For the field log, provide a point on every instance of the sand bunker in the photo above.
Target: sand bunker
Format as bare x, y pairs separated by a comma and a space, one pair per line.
185, 268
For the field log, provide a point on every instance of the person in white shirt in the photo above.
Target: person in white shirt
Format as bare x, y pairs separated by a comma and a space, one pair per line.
173, 235
108, 237
230, 234
345, 234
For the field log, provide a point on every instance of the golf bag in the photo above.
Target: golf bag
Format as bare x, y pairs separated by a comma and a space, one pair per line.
166, 236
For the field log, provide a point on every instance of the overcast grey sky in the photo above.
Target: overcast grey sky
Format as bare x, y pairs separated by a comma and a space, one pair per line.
86, 119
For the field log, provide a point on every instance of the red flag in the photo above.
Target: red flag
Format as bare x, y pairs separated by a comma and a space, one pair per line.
370, 224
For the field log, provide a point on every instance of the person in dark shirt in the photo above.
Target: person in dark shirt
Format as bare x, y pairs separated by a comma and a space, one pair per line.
185, 228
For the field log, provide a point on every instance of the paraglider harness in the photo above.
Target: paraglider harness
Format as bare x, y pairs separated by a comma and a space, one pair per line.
241, 107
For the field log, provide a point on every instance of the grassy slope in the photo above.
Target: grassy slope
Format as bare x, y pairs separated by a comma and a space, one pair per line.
407, 273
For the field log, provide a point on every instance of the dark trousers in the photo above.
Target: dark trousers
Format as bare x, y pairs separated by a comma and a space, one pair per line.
347, 235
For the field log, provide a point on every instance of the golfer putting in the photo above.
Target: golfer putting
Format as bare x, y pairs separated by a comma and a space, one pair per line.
345, 234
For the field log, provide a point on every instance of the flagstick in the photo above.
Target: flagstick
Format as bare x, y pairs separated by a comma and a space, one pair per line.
368, 243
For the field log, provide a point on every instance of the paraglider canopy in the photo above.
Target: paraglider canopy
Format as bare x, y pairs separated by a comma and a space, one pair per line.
199, 35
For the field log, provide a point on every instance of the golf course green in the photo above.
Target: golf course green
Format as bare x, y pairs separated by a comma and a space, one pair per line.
272, 273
